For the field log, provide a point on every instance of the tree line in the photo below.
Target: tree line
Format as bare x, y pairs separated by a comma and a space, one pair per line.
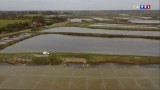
17, 26
14, 27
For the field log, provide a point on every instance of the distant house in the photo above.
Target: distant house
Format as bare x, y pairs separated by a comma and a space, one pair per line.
36, 24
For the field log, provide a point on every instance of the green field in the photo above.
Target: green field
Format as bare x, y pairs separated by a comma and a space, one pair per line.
58, 58
4, 23
32, 15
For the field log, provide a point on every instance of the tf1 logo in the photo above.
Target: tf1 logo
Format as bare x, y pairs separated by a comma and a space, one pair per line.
145, 7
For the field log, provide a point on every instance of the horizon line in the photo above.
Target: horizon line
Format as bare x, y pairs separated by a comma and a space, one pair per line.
83, 10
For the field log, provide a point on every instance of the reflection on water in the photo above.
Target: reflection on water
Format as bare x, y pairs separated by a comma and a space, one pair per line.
116, 65
63, 43
104, 25
101, 31
144, 21
78, 20
101, 19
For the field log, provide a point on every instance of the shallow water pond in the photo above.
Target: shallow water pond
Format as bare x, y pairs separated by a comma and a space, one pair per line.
63, 43
101, 31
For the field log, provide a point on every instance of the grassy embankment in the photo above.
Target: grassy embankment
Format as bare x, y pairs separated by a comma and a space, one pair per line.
5, 22
102, 35
58, 58
32, 15
58, 24
125, 28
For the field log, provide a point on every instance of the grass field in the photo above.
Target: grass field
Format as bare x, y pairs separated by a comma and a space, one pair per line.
4, 23
32, 15
57, 58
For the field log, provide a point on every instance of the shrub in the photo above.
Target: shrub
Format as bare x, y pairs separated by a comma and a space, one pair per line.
40, 60
53, 59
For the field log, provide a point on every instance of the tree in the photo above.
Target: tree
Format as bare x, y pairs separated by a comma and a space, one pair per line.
39, 19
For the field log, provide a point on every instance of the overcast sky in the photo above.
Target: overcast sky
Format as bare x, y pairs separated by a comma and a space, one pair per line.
75, 4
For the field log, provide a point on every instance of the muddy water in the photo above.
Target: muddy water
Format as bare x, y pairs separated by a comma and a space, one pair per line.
101, 31
63, 43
